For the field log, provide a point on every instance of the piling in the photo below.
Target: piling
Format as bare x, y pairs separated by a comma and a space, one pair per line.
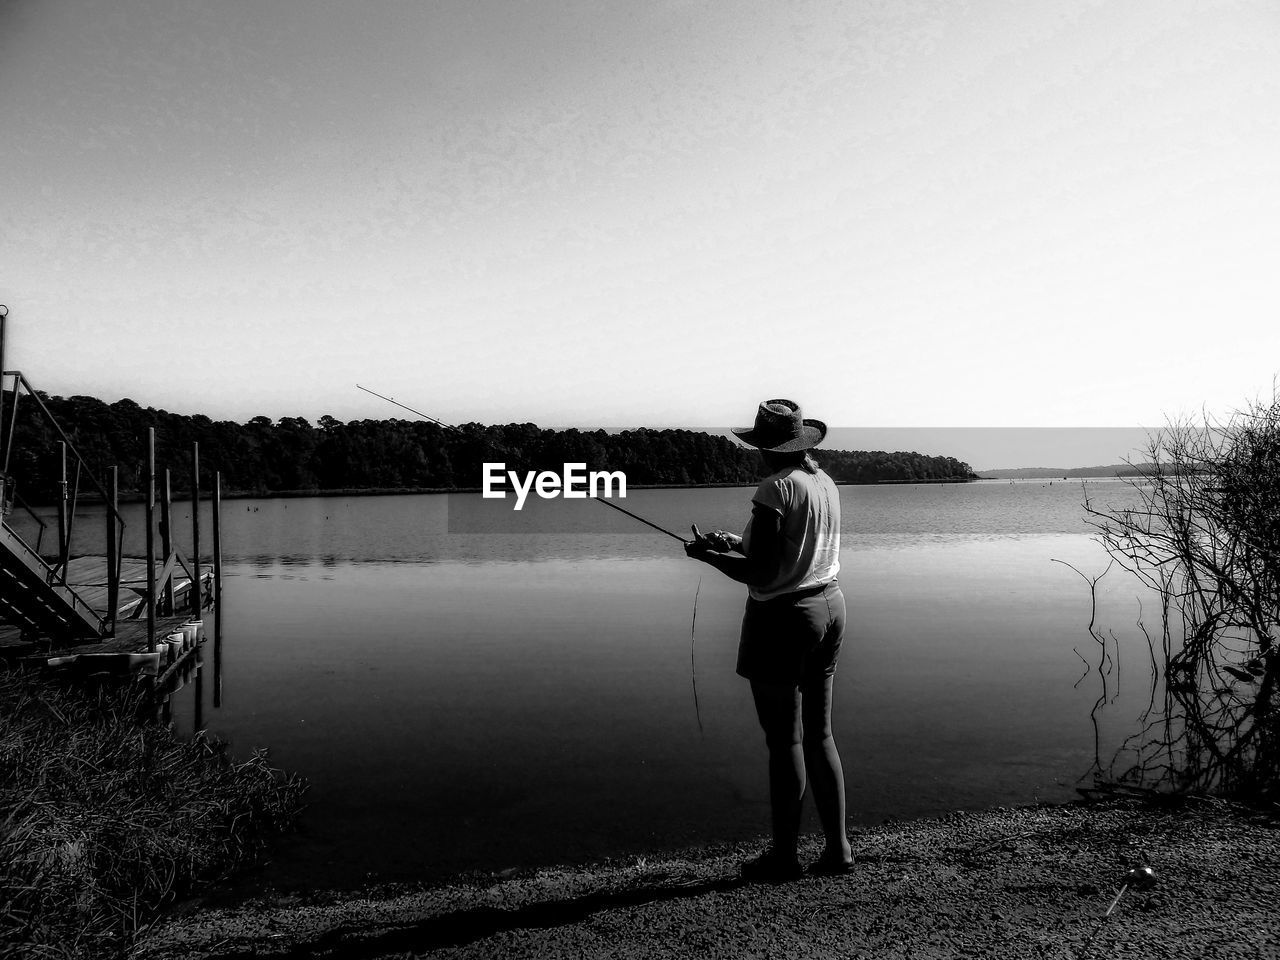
195, 531
166, 539
217, 589
63, 519
197, 722
151, 539
217, 544
113, 551
217, 661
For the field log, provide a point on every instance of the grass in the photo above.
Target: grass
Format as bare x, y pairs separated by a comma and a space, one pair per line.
106, 817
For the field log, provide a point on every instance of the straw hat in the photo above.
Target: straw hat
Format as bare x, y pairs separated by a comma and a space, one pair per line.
779, 428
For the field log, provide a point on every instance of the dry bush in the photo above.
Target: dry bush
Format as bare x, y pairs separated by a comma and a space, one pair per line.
1204, 535
106, 817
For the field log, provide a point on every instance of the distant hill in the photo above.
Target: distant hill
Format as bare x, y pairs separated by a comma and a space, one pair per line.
1061, 473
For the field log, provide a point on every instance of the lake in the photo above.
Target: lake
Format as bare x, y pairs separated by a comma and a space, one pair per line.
525, 695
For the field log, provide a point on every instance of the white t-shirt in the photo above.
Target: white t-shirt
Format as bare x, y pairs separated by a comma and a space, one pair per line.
809, 505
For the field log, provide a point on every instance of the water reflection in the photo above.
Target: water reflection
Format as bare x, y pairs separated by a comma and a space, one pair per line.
416, 528
217, 647
478, 701
198, 721
181, 701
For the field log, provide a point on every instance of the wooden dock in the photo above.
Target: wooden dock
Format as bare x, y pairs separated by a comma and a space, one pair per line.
88, 577
110, 611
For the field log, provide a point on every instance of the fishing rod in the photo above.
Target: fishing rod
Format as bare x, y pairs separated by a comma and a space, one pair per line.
649, 523
425, 416
633, 516
607, 503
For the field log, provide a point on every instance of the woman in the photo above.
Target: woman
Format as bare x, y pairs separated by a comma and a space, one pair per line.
788, 557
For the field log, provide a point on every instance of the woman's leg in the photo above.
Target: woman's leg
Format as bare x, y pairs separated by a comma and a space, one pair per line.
826, 774
778, 707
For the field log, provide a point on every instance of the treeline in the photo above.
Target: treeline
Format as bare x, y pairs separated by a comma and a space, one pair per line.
294, 455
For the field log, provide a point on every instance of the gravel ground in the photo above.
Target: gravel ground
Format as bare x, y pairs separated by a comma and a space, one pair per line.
1026, 882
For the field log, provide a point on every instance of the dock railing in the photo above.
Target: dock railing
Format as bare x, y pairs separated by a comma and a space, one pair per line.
35, 594
74, 474
161, 584
74, 471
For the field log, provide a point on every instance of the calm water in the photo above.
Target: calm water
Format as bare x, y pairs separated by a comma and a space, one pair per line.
487, 700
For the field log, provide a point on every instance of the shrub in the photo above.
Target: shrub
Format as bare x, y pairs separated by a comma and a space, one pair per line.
1205, 536
106, 817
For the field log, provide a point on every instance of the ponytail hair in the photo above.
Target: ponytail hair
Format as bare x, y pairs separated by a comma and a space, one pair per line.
800, 458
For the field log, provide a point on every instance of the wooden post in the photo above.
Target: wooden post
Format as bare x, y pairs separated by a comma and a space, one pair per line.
64, 548
197, 723
217, 660
166, 539
113, 552
195, 531
217, 591
151, 539
217, 544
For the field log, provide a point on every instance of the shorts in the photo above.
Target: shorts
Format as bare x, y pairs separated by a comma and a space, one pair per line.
792, 639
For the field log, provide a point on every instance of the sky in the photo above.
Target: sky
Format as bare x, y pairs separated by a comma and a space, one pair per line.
901, 214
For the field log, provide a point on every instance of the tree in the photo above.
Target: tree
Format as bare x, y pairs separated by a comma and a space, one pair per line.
1204, 535
291, 454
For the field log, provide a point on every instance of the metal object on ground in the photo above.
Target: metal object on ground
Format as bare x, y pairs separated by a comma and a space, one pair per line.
1140, 878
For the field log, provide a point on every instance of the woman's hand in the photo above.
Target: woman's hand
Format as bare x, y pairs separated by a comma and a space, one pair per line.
758, 567
724, 541
698, 547
718, 541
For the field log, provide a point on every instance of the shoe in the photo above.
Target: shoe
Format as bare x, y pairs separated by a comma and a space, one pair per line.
826, 866
771, 868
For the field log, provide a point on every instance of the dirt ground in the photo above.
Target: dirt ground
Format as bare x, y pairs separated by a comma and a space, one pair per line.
1026, 882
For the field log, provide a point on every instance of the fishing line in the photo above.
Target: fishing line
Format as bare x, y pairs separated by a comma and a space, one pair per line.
693, 666
607, 503
693, 637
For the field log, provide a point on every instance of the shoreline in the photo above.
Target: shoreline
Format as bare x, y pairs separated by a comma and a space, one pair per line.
1011, 882
184, 497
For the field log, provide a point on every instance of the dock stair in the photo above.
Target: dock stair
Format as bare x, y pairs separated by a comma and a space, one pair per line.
88, 608
34, 598
41, 600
